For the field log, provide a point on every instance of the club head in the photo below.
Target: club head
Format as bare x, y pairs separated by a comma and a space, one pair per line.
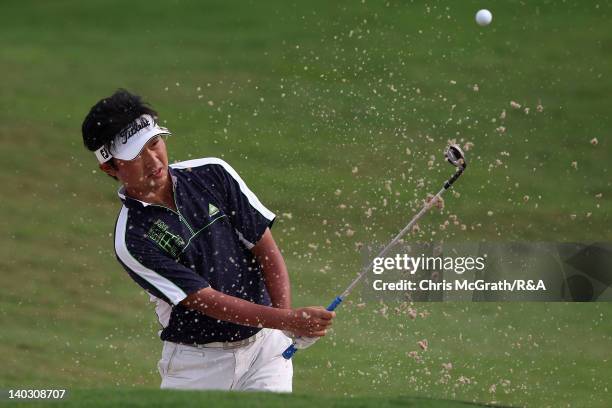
455, 156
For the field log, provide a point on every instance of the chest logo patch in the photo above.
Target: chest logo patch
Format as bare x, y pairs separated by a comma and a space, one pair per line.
212, 210
169, 242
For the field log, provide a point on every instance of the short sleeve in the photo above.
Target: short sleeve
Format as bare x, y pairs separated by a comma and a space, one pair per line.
247, 214
155, 271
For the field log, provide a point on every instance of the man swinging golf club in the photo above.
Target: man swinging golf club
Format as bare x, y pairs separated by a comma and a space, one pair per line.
197, 239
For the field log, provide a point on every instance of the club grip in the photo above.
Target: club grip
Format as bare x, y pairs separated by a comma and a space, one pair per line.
291, 350
334, 304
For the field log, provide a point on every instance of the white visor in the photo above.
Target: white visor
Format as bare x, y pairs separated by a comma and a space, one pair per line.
128, 143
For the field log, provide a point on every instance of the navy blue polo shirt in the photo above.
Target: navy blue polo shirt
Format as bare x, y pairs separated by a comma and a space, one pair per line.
206, 242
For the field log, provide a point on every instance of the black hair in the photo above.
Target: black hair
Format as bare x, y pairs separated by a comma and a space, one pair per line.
110, 115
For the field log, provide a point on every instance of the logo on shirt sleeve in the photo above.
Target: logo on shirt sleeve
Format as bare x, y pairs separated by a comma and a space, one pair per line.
166, 240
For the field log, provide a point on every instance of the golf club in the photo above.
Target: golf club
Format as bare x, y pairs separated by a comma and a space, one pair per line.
455, 156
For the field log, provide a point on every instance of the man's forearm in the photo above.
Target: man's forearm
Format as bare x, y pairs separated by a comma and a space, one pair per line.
307, 321
232, 309
275, 272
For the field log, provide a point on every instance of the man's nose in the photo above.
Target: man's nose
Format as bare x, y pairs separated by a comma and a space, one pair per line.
149, 156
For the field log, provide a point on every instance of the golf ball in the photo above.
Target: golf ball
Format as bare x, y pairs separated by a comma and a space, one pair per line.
484, 17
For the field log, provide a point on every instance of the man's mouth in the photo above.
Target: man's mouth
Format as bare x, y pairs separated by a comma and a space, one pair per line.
156, 173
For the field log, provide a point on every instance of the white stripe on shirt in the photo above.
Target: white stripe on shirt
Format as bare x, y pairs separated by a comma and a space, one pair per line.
163, 310
251, 197
165, 286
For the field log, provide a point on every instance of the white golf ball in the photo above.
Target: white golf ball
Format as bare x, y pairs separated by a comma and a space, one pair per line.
484, 17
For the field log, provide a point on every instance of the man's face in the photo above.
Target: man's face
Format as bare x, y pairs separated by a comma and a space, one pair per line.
147, 173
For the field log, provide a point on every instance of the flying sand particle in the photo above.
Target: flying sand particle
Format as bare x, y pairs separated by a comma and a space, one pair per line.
467, 146
439, 203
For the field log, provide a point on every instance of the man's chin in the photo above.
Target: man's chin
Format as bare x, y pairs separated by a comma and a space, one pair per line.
156, 183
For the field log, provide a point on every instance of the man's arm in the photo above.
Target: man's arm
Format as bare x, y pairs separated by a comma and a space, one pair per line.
275, 272
306, 321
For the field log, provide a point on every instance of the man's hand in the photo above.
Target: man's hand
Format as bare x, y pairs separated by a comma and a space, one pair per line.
308, 325
310, 321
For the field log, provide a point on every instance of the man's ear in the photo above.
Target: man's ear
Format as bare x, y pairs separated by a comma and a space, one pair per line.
109, 169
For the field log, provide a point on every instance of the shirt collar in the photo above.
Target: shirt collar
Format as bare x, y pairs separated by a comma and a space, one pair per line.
126, 198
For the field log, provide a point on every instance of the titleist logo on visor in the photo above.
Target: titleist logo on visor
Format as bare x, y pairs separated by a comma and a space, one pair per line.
133, 128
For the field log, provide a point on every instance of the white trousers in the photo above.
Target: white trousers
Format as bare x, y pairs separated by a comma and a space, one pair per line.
258, 366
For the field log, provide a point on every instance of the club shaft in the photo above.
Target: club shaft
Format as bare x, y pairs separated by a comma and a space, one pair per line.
291, 350
403, 232
394, 241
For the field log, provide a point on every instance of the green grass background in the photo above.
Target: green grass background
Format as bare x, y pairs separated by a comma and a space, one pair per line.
331, 112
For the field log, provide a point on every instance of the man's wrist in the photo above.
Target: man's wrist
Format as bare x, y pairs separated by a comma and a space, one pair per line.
283, 319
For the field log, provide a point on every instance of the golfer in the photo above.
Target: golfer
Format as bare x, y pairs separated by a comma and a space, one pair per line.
198, 240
